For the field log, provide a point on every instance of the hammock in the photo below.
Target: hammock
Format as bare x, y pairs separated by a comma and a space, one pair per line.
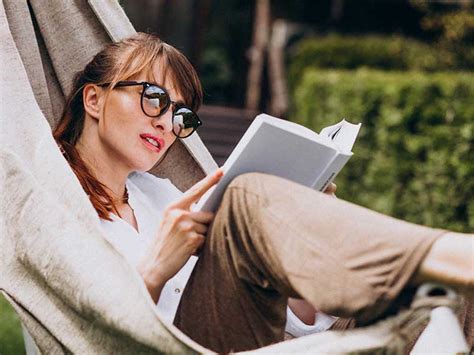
52, 253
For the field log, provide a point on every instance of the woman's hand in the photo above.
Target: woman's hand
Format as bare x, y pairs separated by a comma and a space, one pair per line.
331, 189
180, 235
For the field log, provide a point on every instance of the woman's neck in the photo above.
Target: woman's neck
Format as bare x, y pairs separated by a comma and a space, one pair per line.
106, 170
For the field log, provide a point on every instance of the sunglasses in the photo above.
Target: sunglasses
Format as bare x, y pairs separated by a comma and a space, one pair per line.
155, 101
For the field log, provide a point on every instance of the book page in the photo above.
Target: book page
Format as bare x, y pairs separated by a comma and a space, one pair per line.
343, 134
294, 128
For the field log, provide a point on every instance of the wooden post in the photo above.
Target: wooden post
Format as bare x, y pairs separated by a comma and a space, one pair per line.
276, 69
256, 53
201, 10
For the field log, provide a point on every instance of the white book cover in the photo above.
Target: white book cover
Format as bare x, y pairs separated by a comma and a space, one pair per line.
288, 150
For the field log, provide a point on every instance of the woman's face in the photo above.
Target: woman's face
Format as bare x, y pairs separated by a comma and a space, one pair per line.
130, 138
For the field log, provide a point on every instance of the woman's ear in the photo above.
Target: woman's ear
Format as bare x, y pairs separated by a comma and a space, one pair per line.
92, 98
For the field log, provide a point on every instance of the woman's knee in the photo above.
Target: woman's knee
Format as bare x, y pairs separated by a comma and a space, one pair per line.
247, 180
243, 197
256, 182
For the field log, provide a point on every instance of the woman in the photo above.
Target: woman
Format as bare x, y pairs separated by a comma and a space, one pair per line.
128, 106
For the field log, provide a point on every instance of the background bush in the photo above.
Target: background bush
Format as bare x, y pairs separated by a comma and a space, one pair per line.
414, 158
379, 52
11, 337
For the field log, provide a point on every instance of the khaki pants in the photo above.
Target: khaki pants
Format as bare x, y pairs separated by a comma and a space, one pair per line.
273, 239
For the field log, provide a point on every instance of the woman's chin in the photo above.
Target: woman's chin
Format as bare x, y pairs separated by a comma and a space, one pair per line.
146, 161
142, 168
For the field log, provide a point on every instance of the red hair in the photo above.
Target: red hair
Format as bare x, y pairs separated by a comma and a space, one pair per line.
116, 62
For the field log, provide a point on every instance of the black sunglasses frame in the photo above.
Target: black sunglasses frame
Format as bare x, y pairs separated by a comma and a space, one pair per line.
176, 105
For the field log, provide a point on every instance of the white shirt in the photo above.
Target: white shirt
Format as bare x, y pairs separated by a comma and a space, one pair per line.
148, 196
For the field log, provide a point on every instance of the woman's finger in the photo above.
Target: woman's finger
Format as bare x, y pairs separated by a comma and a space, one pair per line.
196, 240
200, 242
199, 189
202, 217
200, 228
331, 189
189, 226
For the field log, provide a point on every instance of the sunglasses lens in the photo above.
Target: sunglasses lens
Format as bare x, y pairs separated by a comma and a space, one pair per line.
185, 122
155, 100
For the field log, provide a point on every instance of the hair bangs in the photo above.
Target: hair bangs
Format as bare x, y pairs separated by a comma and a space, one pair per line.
119, 61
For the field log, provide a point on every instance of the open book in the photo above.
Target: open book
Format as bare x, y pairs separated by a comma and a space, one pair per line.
286, 149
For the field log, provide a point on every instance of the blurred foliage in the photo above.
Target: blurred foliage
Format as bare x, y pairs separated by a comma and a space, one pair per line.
11, 337
452, 28
216, 74
455, 26
414, 156
452, 22
381, 52
223, 62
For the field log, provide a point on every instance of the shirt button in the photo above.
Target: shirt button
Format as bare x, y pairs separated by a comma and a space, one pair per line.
177, 290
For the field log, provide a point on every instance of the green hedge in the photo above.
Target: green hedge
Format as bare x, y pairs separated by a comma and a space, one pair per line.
11, 337
378, 52
414, 158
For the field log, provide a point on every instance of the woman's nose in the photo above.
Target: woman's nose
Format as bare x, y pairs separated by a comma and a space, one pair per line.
164, 122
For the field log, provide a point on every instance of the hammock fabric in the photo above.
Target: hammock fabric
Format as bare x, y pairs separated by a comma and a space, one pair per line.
72, 290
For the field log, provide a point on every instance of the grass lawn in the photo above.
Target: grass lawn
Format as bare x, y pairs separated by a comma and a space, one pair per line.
11, 338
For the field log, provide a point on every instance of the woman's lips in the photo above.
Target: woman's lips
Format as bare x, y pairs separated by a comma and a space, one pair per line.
152, 142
